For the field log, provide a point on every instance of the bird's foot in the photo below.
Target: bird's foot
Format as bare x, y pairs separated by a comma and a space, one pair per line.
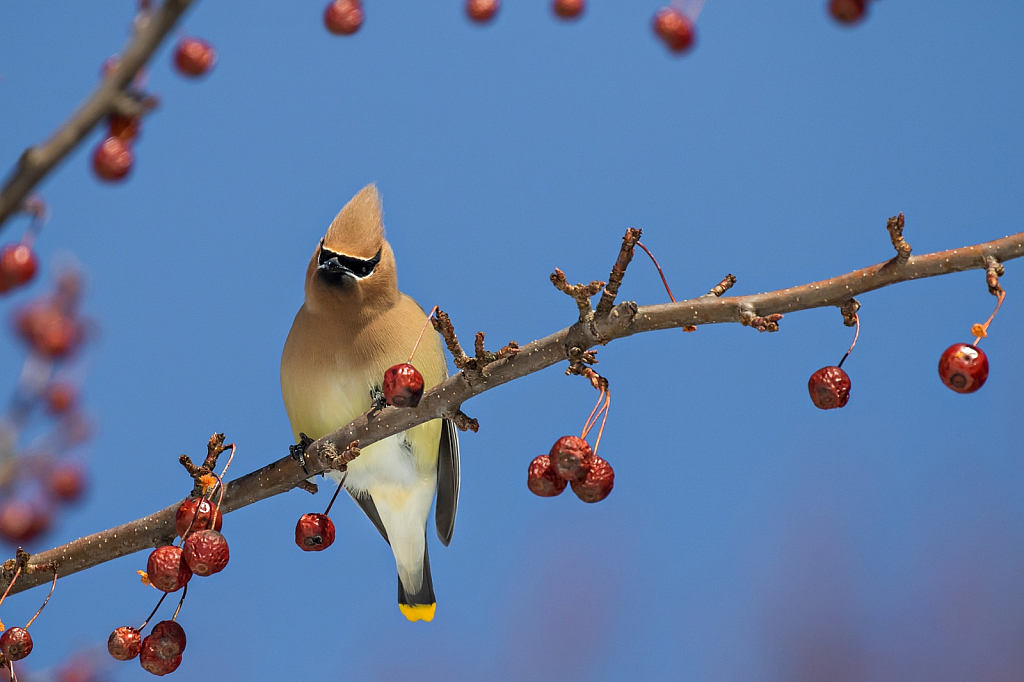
379, 403
298, 451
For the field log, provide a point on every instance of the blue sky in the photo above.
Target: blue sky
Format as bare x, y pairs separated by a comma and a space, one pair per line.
750, 536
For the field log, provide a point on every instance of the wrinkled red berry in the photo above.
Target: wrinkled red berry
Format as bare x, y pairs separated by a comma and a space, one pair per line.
205, 513
598, 482
482, 11
48, 330
542, 479
21, 522
568, 9
963, 367
67, 482
124, 128
61, 397
847, 11
17, 266
168, 639
206, 552
16, 643
124, 643
194, 57
166, 569
314, 532
343, 17
112, 159
570, 457
403, 386
674, 29
151, 661
829, 388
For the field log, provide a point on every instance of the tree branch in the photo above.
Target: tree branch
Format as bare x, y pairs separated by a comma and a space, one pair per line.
625, 319
109, 96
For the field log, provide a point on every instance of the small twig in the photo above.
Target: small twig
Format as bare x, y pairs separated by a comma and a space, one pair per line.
582, 293
849, 311
338, 460
604, 306
769, 323
214, 447
895, 226
308, 486
723, 286
463, 422
443, 325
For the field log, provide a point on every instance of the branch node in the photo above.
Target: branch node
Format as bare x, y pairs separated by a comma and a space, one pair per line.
582, 293
769, 323
723, 286
993, 271
443, 324
629, 240
463, 421
849, 311
308, 486
895, 226
329, 455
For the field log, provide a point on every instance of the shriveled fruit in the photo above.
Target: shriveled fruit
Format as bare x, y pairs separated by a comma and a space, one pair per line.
112, 159
66, 482
206, 515
482, 11
403, 386
21, 521
598, 482
168, 639
963, 367
166, 569
61, 397
194, 57
18, 266
124, 643
847, 11
343, 17
314, 532
568, 9
829, 388
15, 643
543, 480
570, 457
674, 29
124, 128
206, 552
152, 663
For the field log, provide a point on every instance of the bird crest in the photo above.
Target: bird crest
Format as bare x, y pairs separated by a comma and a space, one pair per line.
358, 229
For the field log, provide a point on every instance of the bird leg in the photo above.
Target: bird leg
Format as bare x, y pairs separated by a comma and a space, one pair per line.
298, 451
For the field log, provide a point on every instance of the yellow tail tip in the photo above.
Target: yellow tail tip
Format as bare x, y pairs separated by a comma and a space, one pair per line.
418, 611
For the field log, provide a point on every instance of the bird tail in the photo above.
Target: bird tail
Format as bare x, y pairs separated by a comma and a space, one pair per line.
421, 604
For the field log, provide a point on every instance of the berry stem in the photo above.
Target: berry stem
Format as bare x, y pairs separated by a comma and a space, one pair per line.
984, 328
340, 486
184, 592
594, 414
45, 601
153, 612
856, 333
606, 409
655, 261
8, 590
423, 329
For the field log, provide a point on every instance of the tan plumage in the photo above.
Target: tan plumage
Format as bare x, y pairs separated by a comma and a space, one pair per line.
349, 330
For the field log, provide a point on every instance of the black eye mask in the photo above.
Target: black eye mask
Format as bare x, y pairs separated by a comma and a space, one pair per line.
337, 262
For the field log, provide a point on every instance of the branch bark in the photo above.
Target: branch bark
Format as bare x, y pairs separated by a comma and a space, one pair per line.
625, 319
109, 96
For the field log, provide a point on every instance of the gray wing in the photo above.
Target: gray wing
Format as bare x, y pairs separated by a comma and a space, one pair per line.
370, 509
447, 482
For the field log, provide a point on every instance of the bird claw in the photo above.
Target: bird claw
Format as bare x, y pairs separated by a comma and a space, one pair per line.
298, 451
379, 402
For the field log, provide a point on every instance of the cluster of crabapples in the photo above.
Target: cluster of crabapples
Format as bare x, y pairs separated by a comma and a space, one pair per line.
113, 157
44, 477
203, 552
963, 367
571, 462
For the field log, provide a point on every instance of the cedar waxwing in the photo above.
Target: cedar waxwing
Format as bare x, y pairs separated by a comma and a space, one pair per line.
353, 326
